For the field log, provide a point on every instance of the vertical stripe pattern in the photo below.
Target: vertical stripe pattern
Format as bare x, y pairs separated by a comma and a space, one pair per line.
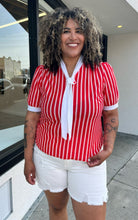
92, 92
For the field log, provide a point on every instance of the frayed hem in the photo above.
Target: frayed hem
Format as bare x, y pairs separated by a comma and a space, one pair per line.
93, 203
55, 191
51, 190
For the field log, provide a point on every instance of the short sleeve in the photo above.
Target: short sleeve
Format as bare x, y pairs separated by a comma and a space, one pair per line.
111, 93
34, 96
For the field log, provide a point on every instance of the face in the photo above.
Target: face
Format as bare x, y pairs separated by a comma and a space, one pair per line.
72, 40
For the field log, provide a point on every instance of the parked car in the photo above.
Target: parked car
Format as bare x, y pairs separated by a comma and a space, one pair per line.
21, 81
12, 90
5, 84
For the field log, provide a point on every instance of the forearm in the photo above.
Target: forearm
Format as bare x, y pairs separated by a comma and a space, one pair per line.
30, 127
111, 122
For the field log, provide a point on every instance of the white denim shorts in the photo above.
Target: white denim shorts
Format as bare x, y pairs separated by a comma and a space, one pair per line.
84, 184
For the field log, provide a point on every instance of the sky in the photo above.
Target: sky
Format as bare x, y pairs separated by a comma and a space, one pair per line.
14, 41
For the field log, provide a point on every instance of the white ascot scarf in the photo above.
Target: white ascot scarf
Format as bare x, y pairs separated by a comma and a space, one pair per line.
67, 103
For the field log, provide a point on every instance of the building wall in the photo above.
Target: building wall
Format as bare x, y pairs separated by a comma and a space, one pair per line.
10, 67
123, 56
2, 63
16, 67
23, 194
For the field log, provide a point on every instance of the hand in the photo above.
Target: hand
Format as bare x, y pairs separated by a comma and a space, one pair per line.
29, 172
99, 158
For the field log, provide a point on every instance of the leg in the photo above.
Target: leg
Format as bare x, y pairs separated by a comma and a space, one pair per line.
57, 205
84, 211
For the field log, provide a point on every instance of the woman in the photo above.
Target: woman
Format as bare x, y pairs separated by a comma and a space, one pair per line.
68, 96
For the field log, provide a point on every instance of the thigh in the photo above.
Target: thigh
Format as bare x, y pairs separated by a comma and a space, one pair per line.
50, 174
84, 211
87, 184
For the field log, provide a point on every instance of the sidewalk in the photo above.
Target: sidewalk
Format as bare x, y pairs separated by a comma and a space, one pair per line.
122, 172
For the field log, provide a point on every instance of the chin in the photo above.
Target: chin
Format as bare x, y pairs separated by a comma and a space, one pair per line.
74, 55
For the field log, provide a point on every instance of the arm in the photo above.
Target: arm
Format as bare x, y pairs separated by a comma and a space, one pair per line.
110, 119
111, 123
31, 121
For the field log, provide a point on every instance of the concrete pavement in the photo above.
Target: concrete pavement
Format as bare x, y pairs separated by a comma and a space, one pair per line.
122, 178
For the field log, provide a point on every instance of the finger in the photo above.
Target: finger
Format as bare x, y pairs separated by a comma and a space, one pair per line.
93, 163
31, 179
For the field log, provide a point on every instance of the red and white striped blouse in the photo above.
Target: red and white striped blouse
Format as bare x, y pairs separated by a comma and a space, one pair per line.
93, 92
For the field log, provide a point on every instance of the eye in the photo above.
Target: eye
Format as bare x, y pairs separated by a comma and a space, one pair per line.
79, 31
64, 32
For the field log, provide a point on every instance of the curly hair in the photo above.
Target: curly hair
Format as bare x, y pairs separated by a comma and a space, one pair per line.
51, 29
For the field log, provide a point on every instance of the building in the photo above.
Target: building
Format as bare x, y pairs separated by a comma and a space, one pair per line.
121, 45
9, 67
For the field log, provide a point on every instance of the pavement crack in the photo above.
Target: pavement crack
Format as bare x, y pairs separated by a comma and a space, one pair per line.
122, 167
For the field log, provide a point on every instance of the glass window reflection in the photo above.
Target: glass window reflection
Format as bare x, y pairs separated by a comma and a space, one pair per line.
14, 69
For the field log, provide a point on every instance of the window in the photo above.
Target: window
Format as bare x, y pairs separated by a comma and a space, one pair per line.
14, 75
16, 71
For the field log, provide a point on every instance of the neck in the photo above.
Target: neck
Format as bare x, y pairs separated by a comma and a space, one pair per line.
70, 64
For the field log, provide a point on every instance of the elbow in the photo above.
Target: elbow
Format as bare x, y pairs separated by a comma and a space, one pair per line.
32, 116
111, 119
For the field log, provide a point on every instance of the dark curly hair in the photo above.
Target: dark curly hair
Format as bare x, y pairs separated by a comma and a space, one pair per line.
51, 28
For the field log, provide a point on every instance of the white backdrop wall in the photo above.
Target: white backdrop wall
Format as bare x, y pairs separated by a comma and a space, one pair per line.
123, 56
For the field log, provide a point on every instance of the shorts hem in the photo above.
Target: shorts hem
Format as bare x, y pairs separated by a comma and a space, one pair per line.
94, 203
51, 190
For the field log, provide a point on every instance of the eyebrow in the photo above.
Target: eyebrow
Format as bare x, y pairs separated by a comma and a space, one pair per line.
66, 28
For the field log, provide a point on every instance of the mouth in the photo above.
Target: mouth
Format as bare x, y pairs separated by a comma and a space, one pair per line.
73, 45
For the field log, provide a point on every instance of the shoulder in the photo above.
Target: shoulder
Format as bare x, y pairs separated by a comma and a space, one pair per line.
103, 69
105, 66
106, 69
39, 68
40, 71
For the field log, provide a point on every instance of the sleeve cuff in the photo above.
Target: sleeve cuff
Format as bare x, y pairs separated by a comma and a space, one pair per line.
33, 109
111, 107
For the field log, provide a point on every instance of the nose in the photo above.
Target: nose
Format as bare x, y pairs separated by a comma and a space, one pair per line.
72, 35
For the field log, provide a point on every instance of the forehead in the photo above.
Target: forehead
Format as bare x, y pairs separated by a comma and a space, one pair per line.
71, 24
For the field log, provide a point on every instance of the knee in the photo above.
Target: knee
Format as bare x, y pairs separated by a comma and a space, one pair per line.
56, 209
57, 202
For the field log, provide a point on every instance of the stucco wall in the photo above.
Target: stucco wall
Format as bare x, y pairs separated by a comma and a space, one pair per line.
123, 56
23, 194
